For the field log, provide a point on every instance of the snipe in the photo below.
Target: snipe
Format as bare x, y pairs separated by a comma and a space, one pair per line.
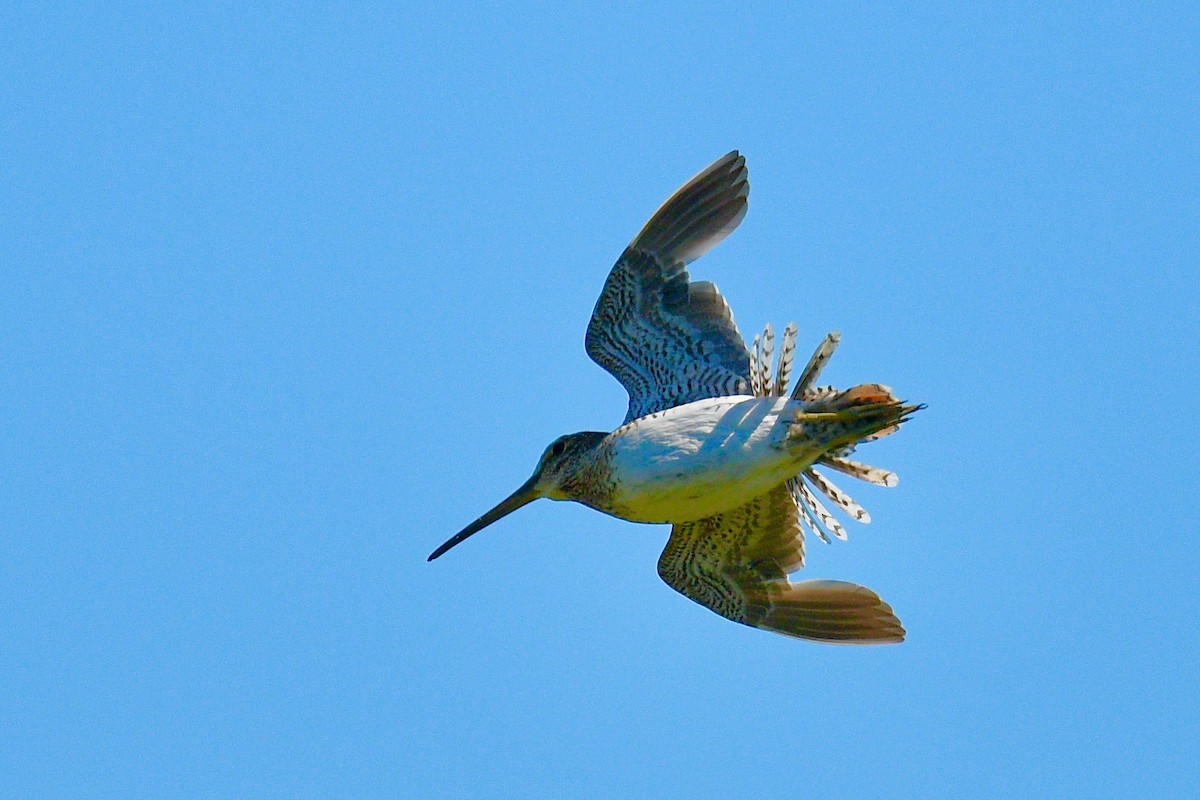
713, 442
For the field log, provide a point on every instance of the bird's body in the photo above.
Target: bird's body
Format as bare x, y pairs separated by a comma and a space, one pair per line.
703, 458
712, 441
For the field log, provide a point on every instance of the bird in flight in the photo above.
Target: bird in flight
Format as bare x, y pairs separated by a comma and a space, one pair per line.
714, 443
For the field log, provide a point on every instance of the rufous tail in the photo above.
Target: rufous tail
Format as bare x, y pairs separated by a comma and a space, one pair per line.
840, 420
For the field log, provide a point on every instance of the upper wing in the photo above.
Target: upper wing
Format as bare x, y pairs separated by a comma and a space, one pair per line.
668, 341
737, 564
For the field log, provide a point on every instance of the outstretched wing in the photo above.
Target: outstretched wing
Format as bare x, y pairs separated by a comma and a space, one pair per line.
737, 564
669, 341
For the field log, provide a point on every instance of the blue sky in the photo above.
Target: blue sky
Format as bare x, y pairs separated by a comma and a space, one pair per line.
289, 295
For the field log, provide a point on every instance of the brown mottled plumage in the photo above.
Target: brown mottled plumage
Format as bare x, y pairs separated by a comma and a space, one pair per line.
712, 442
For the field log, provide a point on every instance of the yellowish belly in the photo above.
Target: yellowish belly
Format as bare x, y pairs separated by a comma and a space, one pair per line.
701, 459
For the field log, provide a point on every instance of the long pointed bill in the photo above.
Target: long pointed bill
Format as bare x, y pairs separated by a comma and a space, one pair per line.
523, 496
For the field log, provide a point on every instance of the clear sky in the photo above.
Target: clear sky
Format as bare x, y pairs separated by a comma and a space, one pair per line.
287, 296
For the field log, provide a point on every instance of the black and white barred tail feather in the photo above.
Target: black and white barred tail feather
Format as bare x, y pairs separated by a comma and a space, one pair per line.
761, 356
864, 472
787, 355
813, 515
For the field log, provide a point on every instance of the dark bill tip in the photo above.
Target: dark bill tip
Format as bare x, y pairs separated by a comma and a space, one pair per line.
522, 496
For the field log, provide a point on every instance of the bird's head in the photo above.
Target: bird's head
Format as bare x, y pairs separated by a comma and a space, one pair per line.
560, 463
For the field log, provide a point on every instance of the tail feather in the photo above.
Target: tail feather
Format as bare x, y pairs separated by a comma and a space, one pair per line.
812, 370
838, 422
765, 358
843, 500
864, 472
806, 515
809, 502
846, 418
835, 421
787, 356
761, 357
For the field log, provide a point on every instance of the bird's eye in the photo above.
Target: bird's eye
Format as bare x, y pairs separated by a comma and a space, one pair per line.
557, 448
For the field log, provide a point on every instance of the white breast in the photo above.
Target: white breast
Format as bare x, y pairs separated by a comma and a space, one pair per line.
700, 459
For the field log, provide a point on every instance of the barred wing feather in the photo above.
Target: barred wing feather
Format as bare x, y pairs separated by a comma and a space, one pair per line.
670, 341
736, 564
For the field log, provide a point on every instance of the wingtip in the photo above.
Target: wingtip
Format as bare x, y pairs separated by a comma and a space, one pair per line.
700, 214
728, 158
833, 612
